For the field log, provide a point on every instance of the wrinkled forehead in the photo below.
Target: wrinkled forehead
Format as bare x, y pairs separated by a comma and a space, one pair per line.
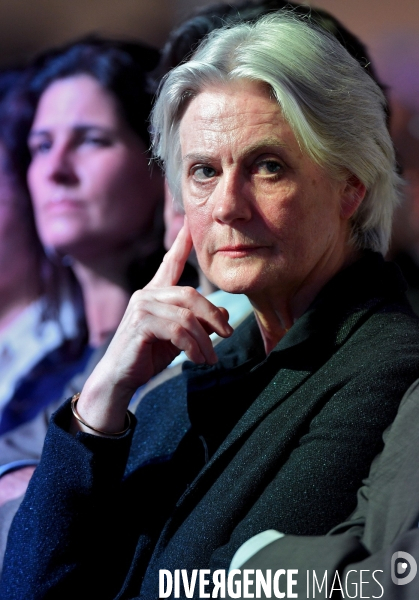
227, 93
238, 115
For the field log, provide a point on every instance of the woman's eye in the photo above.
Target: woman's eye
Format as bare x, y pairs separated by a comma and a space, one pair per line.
40, 147
269, 167
96, 141
203, 173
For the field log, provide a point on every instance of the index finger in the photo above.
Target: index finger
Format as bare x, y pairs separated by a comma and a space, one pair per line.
174, 260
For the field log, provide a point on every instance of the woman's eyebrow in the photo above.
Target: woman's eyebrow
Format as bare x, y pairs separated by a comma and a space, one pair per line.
82, 128
197, 156
267, 143
91, 126
37, 132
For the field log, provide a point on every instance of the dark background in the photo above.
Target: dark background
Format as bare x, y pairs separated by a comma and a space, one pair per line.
28, 26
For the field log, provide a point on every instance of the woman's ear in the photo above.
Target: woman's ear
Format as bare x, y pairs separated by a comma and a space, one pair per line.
353, 194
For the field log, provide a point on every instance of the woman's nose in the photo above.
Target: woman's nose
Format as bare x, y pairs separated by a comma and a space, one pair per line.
61, 167
231, 200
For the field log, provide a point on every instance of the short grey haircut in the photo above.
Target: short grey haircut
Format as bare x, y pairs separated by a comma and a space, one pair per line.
335, 109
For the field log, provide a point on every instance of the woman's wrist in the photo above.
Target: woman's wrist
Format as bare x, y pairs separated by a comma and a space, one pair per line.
74, 410
101, 408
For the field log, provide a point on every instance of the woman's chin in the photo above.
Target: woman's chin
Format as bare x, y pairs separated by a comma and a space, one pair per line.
235, 285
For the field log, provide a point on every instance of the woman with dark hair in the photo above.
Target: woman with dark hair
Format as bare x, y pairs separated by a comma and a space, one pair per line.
37, 312
97, 205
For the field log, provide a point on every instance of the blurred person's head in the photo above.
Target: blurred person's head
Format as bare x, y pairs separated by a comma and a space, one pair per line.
88, 175
335, 110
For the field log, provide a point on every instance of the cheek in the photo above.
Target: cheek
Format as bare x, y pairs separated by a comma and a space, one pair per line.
35, 184
39, 195
201, 233
41, 217
120, 176
173, 224
111, 191
103, 178
123, 200
300, 210
199, 221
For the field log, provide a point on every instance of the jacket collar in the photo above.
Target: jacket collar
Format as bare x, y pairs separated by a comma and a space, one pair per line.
341, 307
361, 286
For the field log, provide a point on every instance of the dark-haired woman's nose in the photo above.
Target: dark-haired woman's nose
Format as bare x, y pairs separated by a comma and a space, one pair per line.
61, 167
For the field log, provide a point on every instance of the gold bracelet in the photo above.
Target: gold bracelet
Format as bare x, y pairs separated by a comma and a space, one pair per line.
74, 401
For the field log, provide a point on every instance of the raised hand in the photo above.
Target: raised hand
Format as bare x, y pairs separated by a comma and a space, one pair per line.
161, 320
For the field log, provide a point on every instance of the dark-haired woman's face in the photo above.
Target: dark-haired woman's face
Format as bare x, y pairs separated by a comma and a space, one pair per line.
89, 176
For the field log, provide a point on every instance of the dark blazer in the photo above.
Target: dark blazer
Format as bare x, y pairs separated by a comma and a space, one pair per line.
385, 521
224, 452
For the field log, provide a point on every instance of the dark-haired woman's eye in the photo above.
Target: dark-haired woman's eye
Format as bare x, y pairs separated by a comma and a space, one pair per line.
39, 147
97, 140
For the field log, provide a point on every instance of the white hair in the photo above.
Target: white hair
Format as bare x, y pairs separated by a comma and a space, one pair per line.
335, 109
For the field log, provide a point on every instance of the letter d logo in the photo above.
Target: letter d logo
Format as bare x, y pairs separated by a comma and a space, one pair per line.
399, 570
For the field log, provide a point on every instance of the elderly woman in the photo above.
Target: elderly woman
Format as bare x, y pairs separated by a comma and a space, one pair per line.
286, 171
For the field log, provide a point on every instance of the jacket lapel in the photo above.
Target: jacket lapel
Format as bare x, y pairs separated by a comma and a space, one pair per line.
299, 355
298, 386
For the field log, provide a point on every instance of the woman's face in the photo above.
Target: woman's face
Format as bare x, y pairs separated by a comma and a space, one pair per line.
265, 219
89, 177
